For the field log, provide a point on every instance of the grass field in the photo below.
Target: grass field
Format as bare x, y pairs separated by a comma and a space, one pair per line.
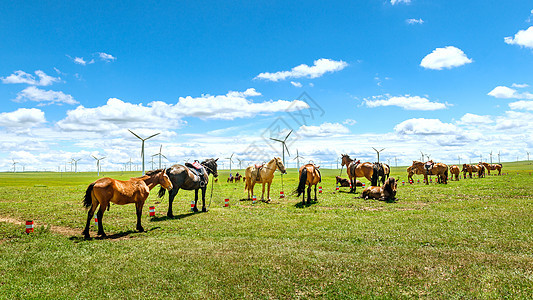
467, 239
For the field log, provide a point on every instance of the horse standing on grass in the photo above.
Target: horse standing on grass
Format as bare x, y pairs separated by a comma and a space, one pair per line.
309, 175
490, 167
136, 190
262, 174
412, 171
470, 169
454, 170
439, 169
190, 177
356, 169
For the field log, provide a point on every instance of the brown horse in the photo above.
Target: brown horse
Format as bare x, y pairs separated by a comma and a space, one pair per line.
309, 175
470, 169
454, 170
343, 182
262, 174
356, 169
490, 167
136, 190
387, 192
439, 169
411, 172
481, 170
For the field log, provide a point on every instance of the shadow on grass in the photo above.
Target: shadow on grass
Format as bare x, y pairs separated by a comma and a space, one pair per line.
264, 201
115, 236
306, 204
176, 217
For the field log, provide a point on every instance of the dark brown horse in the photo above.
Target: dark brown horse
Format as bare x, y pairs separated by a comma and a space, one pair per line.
189, 178
387, 192
136, 190
356, 169
309, 175
439, 169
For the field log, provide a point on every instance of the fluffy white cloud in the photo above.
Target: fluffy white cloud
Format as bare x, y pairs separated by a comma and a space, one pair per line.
414, 21
522, 38
117, 114
350, 122
44, 97
296, 84
22, 117
504, 92
521, 105
406, 102
106, 57
319, 68
23, 77
472, 119
394, 2
81, 60
425, 127
325, 129
447, 57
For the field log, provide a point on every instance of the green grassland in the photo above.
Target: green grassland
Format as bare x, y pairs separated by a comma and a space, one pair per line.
467, 239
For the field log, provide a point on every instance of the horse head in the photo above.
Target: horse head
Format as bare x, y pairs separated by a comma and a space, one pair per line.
211, 166
345, 159
280, 165
390, 187
164, 180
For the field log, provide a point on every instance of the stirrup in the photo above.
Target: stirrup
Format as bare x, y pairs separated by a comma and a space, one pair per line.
202, 184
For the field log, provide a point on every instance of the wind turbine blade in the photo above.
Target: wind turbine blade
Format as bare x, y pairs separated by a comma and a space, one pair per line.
152, 136
103, 157
160, 148
287, 136
135, 134
164, 156
284, 145
277, 140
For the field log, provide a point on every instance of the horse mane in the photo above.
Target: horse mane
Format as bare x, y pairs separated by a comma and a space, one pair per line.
153, 172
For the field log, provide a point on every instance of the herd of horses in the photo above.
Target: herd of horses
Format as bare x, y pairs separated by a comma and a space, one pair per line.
104, 191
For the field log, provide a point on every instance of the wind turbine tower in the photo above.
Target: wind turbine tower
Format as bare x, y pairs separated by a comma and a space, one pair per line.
142, 145
283, 146
98, 163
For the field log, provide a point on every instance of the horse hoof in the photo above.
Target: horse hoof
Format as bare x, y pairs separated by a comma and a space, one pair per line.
140, 229
102, 234
195, 209
204, 209
170, 216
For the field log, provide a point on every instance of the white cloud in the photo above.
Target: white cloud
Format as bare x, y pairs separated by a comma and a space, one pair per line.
81, 60
319, 68
504, 92
325, 129
394, 2
106, 57
520, 86
523, 38
425, 127
521, 105
447, 57
414, 21
406, 102
22, 117
472, 119
23, 77
44, 97
296, 84
350, 122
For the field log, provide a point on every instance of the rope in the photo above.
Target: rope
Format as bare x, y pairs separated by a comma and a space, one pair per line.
211, 196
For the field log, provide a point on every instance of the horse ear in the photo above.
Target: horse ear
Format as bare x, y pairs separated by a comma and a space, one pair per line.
216, 159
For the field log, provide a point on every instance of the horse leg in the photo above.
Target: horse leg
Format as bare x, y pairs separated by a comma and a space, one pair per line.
263, 192
426, 179
171, 196
100, 215
268, 191
308, 194
204, 209
90, 214
139, 209
195, 208
316, 199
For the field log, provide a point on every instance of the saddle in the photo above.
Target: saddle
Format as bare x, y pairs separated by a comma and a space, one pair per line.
198, 170
428, 165
354, 165
258, 172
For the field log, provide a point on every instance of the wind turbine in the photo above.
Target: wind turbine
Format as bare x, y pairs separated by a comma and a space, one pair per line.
378, 151
298, 159
230, 161
98, 163
142, 147
76, 164
490, 156
14, 164
422, 155
240, 163
159, 154
283, 146
527, 155
499, 157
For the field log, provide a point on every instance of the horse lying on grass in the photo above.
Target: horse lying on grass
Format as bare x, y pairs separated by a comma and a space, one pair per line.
343, 182
136, 190
387, 192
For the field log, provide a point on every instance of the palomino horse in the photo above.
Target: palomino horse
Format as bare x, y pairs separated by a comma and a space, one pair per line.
490, 167
439, 169
454, 170
387, 192
356, 169
189, 179
136, 190
309, 175
262, 174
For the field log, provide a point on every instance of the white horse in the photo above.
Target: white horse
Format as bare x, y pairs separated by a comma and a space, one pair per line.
262, 174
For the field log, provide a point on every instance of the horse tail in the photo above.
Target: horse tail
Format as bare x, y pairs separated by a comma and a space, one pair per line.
161, 192
303, 180
87, 199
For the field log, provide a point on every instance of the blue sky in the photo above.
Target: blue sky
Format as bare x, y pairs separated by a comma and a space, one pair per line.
448, 78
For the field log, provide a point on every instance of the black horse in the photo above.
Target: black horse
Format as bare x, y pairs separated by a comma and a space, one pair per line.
188, 178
